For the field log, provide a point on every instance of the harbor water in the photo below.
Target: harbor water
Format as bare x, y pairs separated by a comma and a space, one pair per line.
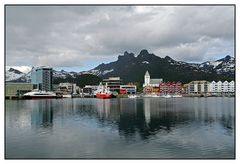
173, 128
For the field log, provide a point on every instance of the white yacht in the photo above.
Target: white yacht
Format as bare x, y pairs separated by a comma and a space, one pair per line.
39, 95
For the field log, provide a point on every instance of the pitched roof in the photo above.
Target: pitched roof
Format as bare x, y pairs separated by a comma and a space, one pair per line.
155, 81
147, 74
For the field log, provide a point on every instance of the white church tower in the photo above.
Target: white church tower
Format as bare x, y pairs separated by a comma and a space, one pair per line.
146, 79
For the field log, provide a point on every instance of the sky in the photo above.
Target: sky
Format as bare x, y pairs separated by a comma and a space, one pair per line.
78, 38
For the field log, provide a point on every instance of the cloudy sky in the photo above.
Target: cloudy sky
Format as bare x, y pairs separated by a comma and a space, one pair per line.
81, 37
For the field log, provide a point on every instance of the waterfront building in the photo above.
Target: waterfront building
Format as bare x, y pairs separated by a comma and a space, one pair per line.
113, 83
42, 77
220, 87
89, 90
231, 87
130, 88
15, 90
67, 88
199, 87
151, 86
170, 88
148, 82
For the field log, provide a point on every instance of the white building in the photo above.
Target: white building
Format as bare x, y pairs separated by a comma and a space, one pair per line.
131, 89
231, 86
148, 82
67, 88
222, 87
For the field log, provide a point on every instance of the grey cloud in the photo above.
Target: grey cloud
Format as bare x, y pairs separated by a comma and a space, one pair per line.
75, 34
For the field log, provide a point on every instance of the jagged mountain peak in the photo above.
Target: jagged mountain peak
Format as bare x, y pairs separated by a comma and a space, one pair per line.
168, 58
15, 71
143, 53
132, 68
126, 56
226, 59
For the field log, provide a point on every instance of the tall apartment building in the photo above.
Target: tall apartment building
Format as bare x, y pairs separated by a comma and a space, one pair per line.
42, 77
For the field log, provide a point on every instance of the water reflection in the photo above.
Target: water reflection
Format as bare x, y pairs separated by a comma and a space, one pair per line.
42, 114
144, 117
92, 128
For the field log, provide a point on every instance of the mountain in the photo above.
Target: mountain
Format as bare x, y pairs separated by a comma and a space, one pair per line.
13, 74
132, 69
81, 79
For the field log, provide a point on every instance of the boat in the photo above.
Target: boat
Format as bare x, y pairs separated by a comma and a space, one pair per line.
133, 96
67, 96
176, 96
103, 92
166, 96
39, 95
151, 95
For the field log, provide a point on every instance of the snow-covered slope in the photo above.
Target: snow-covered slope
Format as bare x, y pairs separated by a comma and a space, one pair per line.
13, 74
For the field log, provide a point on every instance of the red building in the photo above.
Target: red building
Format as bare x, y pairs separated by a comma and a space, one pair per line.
170, 88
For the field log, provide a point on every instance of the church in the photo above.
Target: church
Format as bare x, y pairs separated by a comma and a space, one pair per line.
151, 85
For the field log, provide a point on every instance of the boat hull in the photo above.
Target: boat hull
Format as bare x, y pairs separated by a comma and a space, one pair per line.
104, 96
39, 97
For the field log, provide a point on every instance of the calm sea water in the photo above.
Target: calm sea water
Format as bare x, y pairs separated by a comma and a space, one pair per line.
120, 128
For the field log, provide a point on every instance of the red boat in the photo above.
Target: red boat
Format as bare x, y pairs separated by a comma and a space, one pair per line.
103, 96
103, 92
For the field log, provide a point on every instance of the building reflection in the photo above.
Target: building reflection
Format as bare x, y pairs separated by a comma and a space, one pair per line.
42, 114
147, 110
103, 108
142, 117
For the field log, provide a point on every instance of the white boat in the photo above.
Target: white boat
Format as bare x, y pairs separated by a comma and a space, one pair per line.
166, 96
133, 96
151, 95
67, 96
39, 95
176, 96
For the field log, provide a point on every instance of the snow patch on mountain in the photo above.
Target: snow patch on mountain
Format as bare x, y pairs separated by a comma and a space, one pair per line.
215, 63
23, 69
107, 71
12, 75
145, 62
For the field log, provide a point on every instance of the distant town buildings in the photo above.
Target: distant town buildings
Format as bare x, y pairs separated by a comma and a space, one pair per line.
222, 87
89, 90
42, 77
197, 87
128, 89
113, 83
148, 82
170, 88
151, 86
204, 87
15, 90
67, 88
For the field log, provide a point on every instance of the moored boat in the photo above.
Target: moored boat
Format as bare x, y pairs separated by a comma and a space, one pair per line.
166, 96
39, 95
103, 92
67, 96
151, 95
176, 96
133, 96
